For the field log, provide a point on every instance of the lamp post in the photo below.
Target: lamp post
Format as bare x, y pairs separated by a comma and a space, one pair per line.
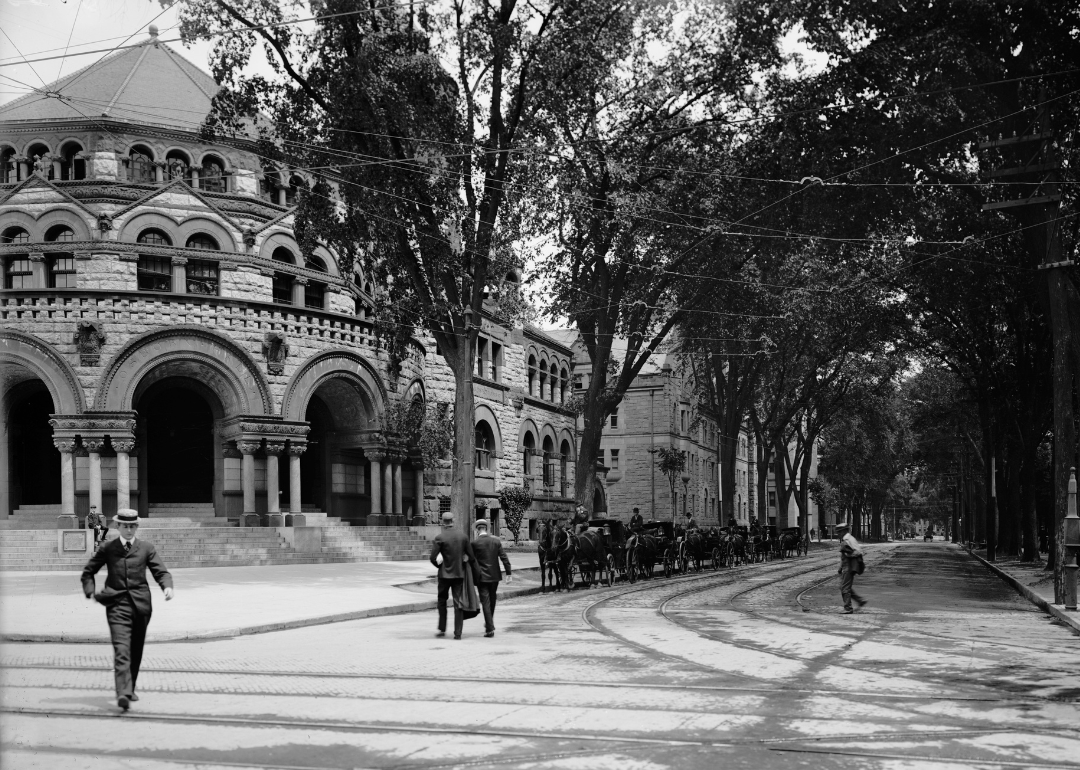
1072, 544
686, 491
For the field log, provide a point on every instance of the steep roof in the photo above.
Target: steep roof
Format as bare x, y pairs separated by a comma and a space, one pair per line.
150, 84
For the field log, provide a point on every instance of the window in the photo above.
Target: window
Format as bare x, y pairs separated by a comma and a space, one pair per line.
202, 277
527, 454
772, 499
39, 153
564, 380
177, 166
154, 238
9, 168
564, 465
543, 380
314, 295
60, 233
282, 254
614, 464
202, 241
554, 382
140, 166
532, 375
485, 445
18, 270
683, 415
615, 418
295, 183
62, 271
481, 354
154, 273
496, 354
71, 166
282, 288
212, 176
315, 263
549, 463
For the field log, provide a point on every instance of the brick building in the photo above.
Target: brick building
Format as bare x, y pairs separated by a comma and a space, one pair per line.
165, 345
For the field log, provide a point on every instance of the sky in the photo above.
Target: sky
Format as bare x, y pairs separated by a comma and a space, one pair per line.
43, 27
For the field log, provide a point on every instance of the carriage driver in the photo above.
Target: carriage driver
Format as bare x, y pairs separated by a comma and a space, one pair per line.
580, 520
636, 522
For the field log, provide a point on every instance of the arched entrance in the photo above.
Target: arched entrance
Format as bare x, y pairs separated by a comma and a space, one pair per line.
176, 436
33, 468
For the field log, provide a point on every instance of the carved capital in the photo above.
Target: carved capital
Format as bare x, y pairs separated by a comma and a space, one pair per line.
230, 451
275, 447
178, 261
93, 445
300, 280
297, 449
376, 455
248, 447
65, 445
122, 445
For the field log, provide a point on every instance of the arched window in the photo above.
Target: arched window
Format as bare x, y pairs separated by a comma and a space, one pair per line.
154, 237
554, 386
527, 454
18, 270
71, 166
140, 165
295, 183
9, 168
549, 462
532, 375
315, 263
564, 383
283, 282
485, 446
178, 166
564, 468
542, 387
282, 254
212, 175
202, 241
39, 157
61, 263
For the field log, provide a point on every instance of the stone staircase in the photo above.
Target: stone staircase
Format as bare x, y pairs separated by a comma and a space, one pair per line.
186, 541
201, 512
32, 517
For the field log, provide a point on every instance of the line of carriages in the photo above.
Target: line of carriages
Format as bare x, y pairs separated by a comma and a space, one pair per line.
608, 551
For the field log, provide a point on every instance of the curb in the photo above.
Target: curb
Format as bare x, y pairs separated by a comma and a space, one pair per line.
285, 625
1059, 612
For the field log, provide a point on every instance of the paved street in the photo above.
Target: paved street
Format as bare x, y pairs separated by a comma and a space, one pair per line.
754, 667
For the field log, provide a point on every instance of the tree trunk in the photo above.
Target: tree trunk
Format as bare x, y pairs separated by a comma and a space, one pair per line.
764, 457
588, 453
463, 474
783, 495
1064, 431
729, 455
1029, 525
1010, 512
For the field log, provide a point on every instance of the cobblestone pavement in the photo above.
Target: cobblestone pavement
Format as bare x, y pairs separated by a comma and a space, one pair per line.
746, 668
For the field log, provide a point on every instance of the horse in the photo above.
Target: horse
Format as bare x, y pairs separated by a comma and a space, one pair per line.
732, 546
589, 552
694, 549
790, 543
564, 552
549, 576
641, 551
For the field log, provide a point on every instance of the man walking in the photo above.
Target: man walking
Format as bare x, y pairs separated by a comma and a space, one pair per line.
489, 552
850, 556
126, 597
453, 547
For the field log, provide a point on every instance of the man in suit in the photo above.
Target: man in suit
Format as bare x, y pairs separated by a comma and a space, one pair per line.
850, 553
126, 597
449, 550
489, 551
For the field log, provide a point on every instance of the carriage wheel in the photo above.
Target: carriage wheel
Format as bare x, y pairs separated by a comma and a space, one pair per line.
610, 569
669, 563
571, 576
716, 559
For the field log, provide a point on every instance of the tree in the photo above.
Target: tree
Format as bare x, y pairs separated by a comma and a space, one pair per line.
419, 117
671, 461
514, 501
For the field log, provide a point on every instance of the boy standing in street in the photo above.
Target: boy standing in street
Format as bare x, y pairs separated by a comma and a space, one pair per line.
850, 556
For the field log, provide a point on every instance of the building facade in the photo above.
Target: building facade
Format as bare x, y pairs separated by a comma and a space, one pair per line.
165, 345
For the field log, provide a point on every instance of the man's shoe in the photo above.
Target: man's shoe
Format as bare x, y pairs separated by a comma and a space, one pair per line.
489, 634
123, 702
133, 697
862, 602
457, 637
439, 634
848, 611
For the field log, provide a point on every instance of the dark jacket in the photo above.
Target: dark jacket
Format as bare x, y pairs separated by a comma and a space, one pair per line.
127, 573
453, 545
489, 550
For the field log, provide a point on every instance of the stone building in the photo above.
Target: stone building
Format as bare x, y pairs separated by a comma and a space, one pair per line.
164, 345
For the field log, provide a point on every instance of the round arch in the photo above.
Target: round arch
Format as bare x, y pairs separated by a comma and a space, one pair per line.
279, 240
23, 220
527, 426
144, 220
37, 356
200, 224
483, 412
27, 145
566, 435
185, 352
546, 431
331, 363
414, 389
64, 216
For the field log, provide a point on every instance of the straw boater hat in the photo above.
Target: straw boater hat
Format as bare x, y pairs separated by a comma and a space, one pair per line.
447, 516
126, 516
843, 526
482, 523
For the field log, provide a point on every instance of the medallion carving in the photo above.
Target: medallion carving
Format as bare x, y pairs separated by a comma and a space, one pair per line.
89, 339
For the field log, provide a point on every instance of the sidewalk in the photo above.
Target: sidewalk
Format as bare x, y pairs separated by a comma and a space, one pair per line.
220, 602
1035, 584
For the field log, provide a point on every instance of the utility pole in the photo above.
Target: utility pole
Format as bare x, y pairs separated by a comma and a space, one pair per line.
1037, 155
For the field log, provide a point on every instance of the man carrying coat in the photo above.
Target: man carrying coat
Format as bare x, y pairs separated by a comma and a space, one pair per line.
449, 550
489, 551
850, 553
126, 597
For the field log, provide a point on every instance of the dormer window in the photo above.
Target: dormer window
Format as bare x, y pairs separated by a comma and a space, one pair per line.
140, 165
212, 175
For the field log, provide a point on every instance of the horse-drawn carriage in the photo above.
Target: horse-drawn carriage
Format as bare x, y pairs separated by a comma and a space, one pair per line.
654, 543
566, 556
698, 548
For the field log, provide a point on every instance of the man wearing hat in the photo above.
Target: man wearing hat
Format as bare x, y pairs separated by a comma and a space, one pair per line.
449, 550
126, 597
850, 554
489, 551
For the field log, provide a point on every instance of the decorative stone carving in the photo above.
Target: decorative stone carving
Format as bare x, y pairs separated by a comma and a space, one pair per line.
41, 166
297, 449
93, 445
89, 338
249, 237
248, 447
230, 451
104, 223
122, 445
65, 445
275, 348
275, 447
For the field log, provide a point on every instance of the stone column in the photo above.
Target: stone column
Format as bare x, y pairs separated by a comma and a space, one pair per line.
281, 196
418, 485
376, 458
388, 486
194, 177
398, 510
298, 291
67, 475
159, 172
247, 481
123, 449
56, 170
41, 271
93, 447
179, 275
295, 450
273, 494
24, 168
